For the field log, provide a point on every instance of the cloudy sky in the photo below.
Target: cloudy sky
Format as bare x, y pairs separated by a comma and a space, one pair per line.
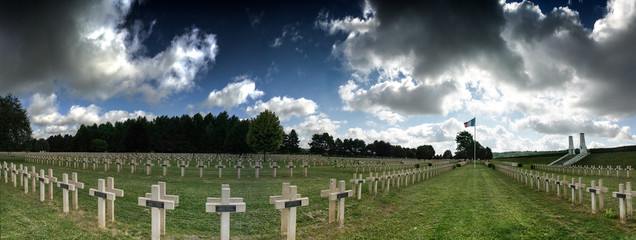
532, 73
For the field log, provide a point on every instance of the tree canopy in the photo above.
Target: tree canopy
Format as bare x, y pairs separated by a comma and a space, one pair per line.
15, 129
466, 148
265, 133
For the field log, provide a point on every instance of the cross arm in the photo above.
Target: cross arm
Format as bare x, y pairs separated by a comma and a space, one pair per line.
107, 195
147, 202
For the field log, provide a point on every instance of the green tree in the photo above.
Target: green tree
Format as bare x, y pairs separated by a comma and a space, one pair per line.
236, 138
465, 147
487, 153
447, 154
40, 145
425, 152
290, 143
265, 133
15, 129
98, 145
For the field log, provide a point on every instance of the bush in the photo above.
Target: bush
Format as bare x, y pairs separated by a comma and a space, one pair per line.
417, 165
519, 164
490, 165
430, 164
458, 165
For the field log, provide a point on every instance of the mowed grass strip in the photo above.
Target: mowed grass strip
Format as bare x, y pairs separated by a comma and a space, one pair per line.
468, 202
480, 203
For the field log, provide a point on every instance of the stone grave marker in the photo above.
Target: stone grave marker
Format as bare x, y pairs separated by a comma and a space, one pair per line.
284, 215
565, 185
359, 183
594, 191
628, 171
291, 168
106, 162
332, 203
183, 165
257, 167
26, 175
225, 205
64, 184
201, 166
580, 186
370, 181
340, 197
622, 196
52, 180
274, 167
148, 165
162, 212
629, 199
305, 167
34, 178
220, 166
388, 182
110, 204
6, 172
289, 205
133, 166
157, 204
102, 195
165, 166
118, 163
43, 181
19, 172
238, 167
78, 185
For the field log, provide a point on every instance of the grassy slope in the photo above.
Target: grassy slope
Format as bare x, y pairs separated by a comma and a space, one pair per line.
464, 203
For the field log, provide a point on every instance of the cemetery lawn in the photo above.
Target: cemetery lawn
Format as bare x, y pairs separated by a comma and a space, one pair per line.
474, 203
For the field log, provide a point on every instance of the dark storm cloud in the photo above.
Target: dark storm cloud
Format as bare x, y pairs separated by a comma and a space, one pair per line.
34, 42
604, 58
82, 47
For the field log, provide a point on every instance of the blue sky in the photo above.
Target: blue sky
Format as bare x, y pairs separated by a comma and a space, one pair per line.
532, 73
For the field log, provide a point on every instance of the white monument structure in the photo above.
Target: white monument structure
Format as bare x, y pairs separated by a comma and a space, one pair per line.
571, 157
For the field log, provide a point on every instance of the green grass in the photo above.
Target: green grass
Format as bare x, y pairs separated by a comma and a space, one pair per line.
468, 202
617, 158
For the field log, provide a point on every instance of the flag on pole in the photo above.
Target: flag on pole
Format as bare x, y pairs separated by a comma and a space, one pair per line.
470, 123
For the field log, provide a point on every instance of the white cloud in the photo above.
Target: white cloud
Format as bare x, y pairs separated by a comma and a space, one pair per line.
90, 55
519, 63
565, 126
44, 113
315, 124
233, 94
284, 107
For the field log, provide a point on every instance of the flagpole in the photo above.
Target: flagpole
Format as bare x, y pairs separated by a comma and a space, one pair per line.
475, 142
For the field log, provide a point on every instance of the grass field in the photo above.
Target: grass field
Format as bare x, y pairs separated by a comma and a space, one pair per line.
477, 203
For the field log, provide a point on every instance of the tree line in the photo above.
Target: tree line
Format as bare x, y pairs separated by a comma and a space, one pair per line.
206, 134
324, 144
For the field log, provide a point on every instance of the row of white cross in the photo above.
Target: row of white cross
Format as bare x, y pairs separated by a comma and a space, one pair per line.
589, 170
596, 191
159, 201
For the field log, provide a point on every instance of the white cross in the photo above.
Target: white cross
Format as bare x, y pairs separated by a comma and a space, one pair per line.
65, 188
52, 180
110, 204
284, 214
623, 197
340, 196
157, 204
102, 195
289, 205
597, 190
77, 185
225, 205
